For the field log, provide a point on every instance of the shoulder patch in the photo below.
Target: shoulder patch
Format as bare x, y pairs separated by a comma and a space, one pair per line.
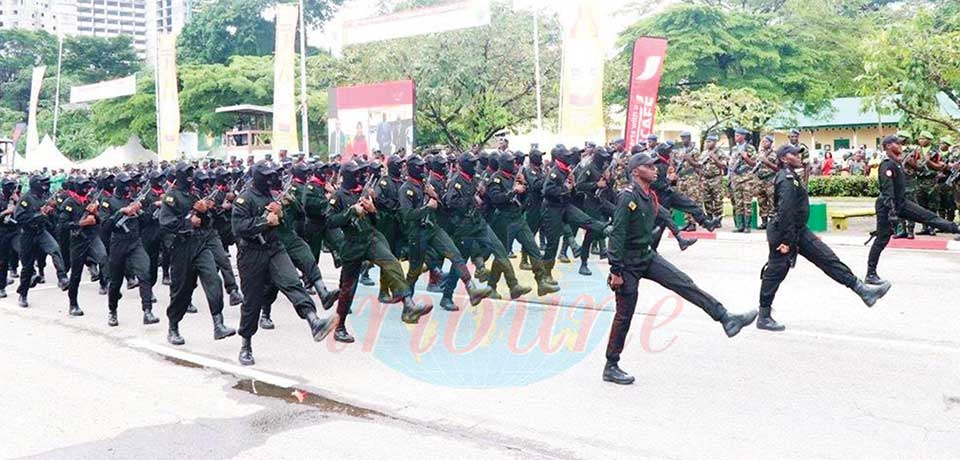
383, 183
106, 204
168, 199
632, 205
310, 187
69, 208
889, 173
410, 193
587, 173
553, 175
25, 204
59, 200
496, 180
240, 200
457, 186
333, 201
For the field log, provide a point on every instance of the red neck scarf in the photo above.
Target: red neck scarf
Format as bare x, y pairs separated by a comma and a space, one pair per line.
562, 167
82, 199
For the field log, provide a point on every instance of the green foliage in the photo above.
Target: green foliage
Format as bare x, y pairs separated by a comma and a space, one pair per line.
715, 109
115, 120
845, 186
92, 59
471, 83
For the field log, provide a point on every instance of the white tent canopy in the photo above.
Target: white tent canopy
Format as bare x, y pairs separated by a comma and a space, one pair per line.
46, 156
130, 153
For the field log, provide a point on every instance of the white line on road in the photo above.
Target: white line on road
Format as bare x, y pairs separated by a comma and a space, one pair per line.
241, 371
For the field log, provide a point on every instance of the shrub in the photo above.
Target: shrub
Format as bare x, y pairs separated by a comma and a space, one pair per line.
848, 186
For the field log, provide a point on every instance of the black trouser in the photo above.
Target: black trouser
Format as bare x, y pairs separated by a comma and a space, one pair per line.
662, 272
677, 200
475, 238
265, 271
84, 248
63, 240
554, 218
151, 245
36, 244
885, 226
6, 250
812, 249
193, 259
222, 260
663, 222
391, 273
427, 248
166, 248
127, 257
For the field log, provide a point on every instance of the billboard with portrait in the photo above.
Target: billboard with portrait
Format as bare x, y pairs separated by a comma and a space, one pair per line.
365, 118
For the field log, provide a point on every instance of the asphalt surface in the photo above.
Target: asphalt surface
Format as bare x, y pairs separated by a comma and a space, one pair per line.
507, 380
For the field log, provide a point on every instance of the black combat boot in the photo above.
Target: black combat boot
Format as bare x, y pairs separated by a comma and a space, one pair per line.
191, 308
265, 321
219, 330
562, 258
365, 278
236, 298
525, 262
103, 290
75, 310
435, 281
246, 353
871, 294
874, 279
63, 284
763, 223
22, 301
584, 269
446, 303
733, 323
613, 373
173, 335
112, 320
413, 311
320, 327
342, 336
738, 223
519, 291
133, 282
166, 279
766, 322
94, 272
327, 296
3, 292
148, 317
476, 291
685, 242
747, 223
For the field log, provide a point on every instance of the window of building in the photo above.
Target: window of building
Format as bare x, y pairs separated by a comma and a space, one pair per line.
841, 144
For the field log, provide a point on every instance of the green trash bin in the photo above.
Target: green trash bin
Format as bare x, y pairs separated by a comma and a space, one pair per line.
817, 222
679, 218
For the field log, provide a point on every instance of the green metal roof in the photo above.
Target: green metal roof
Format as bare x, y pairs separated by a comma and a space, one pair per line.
858, 111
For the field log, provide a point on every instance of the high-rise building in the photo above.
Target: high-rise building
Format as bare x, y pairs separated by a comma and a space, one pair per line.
54, 16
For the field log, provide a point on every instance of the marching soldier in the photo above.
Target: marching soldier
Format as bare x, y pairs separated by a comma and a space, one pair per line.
743, 181
184, 215
204, 183
631, 259
766, 171
35, 240
589, 179
353, 211
121, 217
8, 229
894, 203
506, 193
533, 204
265, 268
81, 213
789, 237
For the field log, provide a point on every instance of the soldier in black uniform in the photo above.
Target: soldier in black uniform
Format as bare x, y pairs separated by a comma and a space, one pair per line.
354, 212
121, 216
471, 233
386, 193
892, 205
632, 258
81, 214
316, 231
559, 210
184, 215
8, 228
439, 169
788, 237
204, 184
264, 265
672, 199
426, 240
32, 215
506, 194
150, 223
589, 180
533, 204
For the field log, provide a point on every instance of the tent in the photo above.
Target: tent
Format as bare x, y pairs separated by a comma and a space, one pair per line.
46, 156
130, 153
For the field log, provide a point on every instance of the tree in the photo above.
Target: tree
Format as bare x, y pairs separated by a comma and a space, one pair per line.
471, 83
777, 48
20, 50
914, 62
713, 108
92, 59
237, 28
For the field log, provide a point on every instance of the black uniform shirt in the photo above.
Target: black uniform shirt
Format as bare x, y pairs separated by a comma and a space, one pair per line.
633, 221
793, 209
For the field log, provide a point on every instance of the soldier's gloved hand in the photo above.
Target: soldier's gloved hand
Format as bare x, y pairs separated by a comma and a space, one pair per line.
273, 220
614, 281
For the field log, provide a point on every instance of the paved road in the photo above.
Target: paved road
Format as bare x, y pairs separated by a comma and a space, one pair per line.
509, 380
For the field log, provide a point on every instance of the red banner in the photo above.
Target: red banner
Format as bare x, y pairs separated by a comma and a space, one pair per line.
645, 72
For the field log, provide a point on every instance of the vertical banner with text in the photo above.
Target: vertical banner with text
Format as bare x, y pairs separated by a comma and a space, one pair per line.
645, 72
168, 99
33, 137
284, 68
581, 116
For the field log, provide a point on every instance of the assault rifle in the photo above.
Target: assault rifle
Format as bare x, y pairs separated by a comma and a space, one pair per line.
122, 221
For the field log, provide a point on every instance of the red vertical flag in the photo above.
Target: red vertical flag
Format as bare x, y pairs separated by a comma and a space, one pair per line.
645, 73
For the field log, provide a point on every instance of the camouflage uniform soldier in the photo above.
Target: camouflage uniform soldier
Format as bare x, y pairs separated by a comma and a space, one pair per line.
911, 168
948, 208
714, 165
743, 180
689, 173
766, 171
804, 172
928, 194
